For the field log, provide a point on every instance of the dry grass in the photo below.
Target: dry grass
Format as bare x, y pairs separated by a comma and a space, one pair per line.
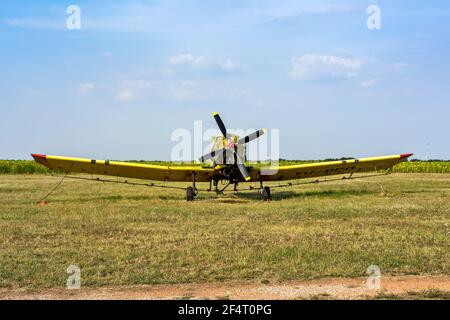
124, 235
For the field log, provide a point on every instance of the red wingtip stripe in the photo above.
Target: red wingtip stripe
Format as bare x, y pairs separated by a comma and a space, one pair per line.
39, 156
406, 155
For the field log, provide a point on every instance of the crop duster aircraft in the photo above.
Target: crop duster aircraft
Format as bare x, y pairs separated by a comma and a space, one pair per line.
228, 156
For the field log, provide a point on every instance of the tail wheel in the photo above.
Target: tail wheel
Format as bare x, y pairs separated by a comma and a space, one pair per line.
190, 194
265, 192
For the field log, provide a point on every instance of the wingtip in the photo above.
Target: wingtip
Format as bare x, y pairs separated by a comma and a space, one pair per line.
39, 156
406, 155
264, 130
215, 114
248, 179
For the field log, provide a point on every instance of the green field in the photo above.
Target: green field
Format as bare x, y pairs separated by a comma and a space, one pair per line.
125, 235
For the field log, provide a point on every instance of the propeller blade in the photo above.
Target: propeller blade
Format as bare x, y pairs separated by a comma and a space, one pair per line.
241, 167
211, 155
252, 136
220, 124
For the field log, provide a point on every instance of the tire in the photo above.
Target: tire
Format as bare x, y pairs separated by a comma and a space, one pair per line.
266, 194
190, 194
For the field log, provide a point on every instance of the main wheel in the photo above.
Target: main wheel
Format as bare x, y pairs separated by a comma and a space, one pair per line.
190, 194
265, 192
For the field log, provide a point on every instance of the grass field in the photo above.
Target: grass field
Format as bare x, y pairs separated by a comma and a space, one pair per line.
125, 235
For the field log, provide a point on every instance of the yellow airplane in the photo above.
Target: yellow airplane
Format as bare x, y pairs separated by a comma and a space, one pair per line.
228, 155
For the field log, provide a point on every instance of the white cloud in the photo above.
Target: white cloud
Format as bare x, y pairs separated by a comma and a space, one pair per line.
168, 72
85, 87
316, 67
227, 65
183, 91
132, 16
291, 10
328, 8
187, 59
125, 95
131, 90
399, 66
369, 83
36, 23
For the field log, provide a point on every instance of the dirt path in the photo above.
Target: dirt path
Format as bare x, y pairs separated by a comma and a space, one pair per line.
342, 288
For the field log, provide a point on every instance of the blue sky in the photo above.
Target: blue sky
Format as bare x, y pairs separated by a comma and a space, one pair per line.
138, 70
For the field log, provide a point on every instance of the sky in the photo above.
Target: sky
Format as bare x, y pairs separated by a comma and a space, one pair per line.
136, 71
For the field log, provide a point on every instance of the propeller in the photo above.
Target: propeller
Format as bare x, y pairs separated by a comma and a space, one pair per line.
231, 146
251, 137
220, 124
241, 167
211, 155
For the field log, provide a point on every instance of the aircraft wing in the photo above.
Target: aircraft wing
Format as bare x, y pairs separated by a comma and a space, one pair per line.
320, 169
125, 169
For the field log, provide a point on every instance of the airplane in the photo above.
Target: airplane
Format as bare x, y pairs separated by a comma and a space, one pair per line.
228, 155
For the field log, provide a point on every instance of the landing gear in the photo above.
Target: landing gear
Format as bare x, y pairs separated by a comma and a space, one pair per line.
265, 193
191, 192
216, 186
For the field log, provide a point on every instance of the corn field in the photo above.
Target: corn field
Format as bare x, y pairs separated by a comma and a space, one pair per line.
423, 167
31, 167
21, 167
